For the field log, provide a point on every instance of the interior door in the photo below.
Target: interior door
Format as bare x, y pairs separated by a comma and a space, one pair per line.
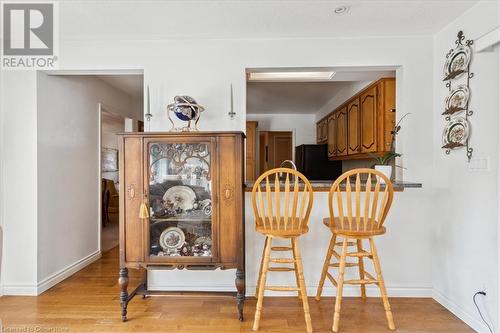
341, 134
251, 158
353, 128
275, 147
368, 110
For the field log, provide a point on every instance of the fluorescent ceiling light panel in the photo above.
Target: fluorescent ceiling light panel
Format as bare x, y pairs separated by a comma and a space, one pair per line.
291, 76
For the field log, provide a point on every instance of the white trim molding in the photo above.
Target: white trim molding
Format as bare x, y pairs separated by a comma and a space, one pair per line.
19, 290
458, 311
487, 41
66, 272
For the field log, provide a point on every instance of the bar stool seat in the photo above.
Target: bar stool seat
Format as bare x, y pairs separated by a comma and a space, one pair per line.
293, 230
340, 230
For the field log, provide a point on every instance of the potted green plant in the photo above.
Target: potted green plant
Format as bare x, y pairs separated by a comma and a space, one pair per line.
382, 162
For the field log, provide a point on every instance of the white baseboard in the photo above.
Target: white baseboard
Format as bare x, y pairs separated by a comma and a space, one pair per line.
47, 283
19, 290
458, 311
66, 272
349, 291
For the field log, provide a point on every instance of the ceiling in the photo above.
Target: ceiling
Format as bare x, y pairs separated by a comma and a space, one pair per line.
305, 97
290, 97
151, 20
132, 85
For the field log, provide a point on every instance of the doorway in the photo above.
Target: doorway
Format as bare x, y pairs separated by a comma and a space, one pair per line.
111, 125
274, 148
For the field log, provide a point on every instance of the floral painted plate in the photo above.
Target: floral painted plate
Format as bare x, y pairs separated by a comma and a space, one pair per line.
180, 197
457, 62
456, 133
457, 100
172, 238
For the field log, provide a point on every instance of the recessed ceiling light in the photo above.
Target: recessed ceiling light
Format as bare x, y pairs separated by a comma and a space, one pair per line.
341, 10
291, 76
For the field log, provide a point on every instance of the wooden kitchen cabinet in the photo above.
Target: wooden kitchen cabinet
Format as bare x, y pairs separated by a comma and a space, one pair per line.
362, 126
341, 135
368, 120
182, 206
331, 133
322, 131
353, 126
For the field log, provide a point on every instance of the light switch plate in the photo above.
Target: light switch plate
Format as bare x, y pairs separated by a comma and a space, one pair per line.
479, 164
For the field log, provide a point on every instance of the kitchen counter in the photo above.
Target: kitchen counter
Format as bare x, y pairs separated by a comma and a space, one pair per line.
325, 185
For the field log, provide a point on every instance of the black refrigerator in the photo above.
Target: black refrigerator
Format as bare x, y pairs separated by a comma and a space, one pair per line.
312, 161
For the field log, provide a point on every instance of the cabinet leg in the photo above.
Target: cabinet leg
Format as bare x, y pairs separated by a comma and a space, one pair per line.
240, 296
123, 282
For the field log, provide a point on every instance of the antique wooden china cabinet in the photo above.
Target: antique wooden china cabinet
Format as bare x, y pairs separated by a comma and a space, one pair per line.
182, 206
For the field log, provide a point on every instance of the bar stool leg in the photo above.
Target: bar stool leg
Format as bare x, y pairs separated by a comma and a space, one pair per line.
361, 267
262, 283
296, 267
328, 258
381, 284
261, 264
302, 284
340, 285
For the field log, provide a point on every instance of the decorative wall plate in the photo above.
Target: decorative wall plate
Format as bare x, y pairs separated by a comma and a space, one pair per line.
172, 238
180, 196
457, 100
456, 133
457, 62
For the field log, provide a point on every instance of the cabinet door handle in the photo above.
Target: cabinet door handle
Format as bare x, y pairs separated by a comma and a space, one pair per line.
227, 194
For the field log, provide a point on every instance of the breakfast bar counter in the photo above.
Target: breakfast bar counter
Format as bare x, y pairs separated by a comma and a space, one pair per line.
325, 185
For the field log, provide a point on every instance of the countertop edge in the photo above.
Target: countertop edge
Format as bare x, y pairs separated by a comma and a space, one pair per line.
399, 186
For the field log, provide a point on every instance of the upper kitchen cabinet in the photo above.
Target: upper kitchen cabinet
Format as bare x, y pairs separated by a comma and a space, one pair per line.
322, 131
368, 108
341, 132
331, 131
353, 122
363, 125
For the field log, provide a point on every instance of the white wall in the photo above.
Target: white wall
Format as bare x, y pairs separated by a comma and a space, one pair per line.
19, 191
340, 97
303, 126
465, 204
68, 169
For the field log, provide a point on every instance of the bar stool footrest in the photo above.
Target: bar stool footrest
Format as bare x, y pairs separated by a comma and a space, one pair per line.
282, 288
361, 281
281, 248
281, 269
282, 260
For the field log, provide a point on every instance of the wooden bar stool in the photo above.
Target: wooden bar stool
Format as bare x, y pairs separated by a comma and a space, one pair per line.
364, 222
282, 210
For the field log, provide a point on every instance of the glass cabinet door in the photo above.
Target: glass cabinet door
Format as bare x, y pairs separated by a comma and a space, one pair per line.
180, 200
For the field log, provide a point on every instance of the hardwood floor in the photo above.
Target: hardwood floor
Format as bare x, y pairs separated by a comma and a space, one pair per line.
88, 302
